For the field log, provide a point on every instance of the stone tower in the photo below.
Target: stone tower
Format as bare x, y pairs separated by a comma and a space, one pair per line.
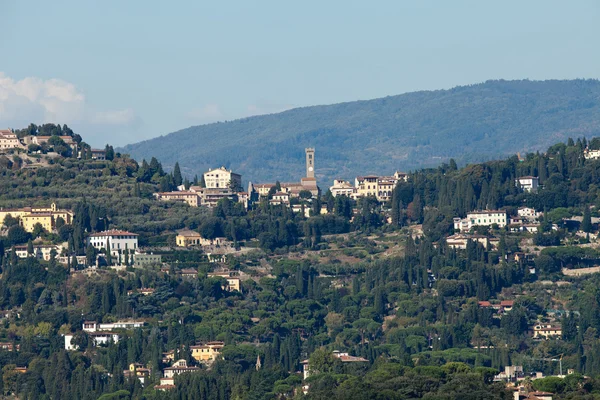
310, 162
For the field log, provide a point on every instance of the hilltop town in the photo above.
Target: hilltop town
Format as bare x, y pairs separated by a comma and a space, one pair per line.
159, 284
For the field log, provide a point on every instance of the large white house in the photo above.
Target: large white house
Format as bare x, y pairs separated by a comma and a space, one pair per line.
591, 154
98, 338
529, 213
342, 188
528, 183
221, 178
8, 140
481, 218
119, 241
178, 367
93, 326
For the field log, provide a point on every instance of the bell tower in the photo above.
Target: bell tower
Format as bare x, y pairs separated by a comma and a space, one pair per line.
310, 162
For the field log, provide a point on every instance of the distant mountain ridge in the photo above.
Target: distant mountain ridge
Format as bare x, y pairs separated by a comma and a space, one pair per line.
404, 132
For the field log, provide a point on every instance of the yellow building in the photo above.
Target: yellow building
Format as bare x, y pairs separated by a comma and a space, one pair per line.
45, 216
206, 352
188, 238
191, 198
379, 186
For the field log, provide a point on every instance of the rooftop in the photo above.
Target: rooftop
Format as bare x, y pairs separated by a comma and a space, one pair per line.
113, 232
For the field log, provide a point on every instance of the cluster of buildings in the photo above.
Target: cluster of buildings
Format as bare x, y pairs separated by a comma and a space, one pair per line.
527, 219
9, 140
29, 217
220, 183
380, 187
223, 183
204, 353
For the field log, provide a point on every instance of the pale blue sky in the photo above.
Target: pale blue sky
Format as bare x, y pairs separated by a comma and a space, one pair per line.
123, 71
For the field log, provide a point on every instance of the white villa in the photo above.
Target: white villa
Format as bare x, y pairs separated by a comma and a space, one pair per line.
481, 218
119, 241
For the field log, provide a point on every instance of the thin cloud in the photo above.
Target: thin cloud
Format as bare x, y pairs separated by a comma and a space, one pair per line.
37, 100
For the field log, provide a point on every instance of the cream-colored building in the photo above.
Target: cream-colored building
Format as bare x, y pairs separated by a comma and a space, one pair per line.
41, 252
178, 367
280, 198
207, 352
481, 218
189, 197
8, 140
460, 240
591, 154
233, 280
221, 178
45, 216
342, 188
546, 331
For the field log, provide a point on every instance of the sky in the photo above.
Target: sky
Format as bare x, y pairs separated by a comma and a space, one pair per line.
124, 71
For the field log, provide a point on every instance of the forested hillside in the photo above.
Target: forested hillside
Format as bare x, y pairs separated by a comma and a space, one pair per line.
405, 132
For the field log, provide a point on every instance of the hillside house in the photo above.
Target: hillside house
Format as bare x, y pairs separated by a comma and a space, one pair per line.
137, 370
117, 240
233, 280
528, 183
460, 240
207, 352
190, 198
189, 273
344, 357
342, 188
29, 217
40, 251
546, 331
98, 339
591, 154
220, 178
529, 213
98, 154
280, 198
179, 367
8, 140
93, 326
481, 218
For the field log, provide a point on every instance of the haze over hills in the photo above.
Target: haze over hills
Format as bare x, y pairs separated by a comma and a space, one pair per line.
404, 132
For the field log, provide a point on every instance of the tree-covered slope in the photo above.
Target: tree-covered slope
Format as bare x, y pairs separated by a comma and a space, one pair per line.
468, 123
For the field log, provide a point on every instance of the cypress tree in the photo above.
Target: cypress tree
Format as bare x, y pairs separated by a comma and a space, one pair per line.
586, 223
177, 178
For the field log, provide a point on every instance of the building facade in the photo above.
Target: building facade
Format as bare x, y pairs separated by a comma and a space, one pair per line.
119, 241
189, 197
29, 217
528, 183
481, 218
342, 188
8, 140
221, 178
207, 352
